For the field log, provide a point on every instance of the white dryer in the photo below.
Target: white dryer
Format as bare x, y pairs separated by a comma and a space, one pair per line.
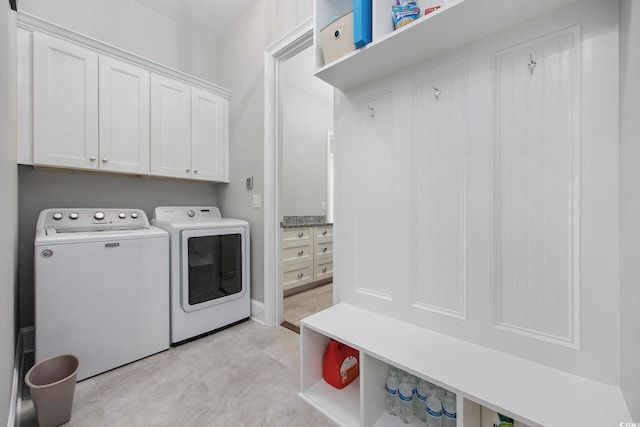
101, 287
209, 269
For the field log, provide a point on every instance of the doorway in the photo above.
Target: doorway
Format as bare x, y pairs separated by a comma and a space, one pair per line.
276, 59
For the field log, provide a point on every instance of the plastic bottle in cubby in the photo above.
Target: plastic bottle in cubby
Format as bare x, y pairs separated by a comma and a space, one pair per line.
449, 411
391, 404
405, 401
420, 400
434, 410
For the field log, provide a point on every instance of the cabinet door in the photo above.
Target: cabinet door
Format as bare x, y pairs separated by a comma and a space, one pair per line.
170, 128
207, 135
124, 117
65, 111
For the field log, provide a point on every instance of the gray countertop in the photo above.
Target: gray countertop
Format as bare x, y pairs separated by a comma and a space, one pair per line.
304, 221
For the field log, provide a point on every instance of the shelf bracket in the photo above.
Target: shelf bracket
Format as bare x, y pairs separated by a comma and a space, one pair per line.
436, 92
532, 64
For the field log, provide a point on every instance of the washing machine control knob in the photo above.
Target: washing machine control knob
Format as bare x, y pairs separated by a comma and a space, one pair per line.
98, 215
134, 215
73, 215
57, 216
122, 215
191, 213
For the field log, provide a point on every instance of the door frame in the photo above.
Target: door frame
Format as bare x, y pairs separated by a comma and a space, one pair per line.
274, 58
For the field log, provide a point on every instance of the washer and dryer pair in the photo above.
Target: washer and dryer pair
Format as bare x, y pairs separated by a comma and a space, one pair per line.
111, 288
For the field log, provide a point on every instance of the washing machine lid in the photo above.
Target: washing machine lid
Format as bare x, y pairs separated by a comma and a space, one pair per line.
68, 225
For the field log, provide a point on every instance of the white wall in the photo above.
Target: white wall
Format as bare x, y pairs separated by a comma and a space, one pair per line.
8, 203
241, 69
630, 203
132, 27
306, 119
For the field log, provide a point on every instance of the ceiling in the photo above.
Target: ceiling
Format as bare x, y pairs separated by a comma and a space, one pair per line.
210, 18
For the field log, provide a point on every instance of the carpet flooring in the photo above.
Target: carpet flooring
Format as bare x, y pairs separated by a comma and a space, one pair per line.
303, 304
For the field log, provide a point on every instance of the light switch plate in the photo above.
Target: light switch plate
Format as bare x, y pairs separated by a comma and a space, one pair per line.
249, 184
257, 200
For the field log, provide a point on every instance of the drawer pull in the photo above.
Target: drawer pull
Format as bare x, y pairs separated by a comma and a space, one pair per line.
324, 232
324, 249
300, 252
324, 269
300, 275
300, 234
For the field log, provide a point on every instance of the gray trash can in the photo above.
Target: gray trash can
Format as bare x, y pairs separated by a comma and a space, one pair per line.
52, 383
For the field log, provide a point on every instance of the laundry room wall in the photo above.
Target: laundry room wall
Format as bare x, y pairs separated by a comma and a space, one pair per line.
306, 119
241, 69
132, 27
9, 204
630, 203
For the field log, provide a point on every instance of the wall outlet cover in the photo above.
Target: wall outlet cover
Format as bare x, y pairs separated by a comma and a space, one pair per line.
257, 200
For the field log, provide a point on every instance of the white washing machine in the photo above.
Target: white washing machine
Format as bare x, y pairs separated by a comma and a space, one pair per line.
209, 269
101, 287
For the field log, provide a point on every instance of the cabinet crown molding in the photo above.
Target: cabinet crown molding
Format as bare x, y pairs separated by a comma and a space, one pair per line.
33, 23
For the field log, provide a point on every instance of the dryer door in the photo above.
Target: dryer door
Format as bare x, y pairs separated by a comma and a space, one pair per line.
212, 267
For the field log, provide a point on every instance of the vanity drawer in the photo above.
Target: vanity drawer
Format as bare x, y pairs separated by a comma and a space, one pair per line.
323, 250
301, 234
294, 252
297, 275
323, 232
323, 269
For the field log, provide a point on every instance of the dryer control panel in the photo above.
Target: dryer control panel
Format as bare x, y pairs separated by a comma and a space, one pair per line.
187, 213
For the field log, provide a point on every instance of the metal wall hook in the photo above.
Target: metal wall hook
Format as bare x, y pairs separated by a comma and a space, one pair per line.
372, 111
436, 92
532, 64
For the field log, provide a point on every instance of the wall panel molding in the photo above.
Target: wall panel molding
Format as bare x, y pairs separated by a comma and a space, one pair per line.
440, 103
536, 188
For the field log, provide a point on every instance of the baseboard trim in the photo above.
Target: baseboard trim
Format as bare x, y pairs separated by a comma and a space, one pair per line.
24, 344
257, 311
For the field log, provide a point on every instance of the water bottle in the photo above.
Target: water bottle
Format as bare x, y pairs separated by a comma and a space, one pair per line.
449, 409
391, 404
420, 400
405, 401
434, 410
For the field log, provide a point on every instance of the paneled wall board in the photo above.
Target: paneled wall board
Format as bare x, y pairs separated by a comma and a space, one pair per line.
373, 139
536, 190
440, 191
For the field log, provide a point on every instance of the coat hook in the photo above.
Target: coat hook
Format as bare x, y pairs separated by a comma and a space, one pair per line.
532, 64
436, 92
372, 111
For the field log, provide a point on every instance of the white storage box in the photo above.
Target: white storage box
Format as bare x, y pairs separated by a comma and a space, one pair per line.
337, 38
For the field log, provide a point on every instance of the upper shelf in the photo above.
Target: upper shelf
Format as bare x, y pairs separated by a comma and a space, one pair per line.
457, 23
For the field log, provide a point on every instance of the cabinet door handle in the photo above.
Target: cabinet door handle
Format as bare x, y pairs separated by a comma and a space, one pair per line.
187, 170
300, 275
300, 234
195, 171
92, 158
300, 252
324, 249
324, 232
324, 269
105, 160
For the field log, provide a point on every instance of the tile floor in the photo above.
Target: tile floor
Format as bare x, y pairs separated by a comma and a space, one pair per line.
247, 375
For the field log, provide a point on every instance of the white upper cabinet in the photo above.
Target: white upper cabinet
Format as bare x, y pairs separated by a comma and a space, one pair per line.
207, 135
65, 113
86, 105
170, 127
124, 117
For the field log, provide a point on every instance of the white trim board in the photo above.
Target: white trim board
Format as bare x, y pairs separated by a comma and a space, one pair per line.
274, 58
